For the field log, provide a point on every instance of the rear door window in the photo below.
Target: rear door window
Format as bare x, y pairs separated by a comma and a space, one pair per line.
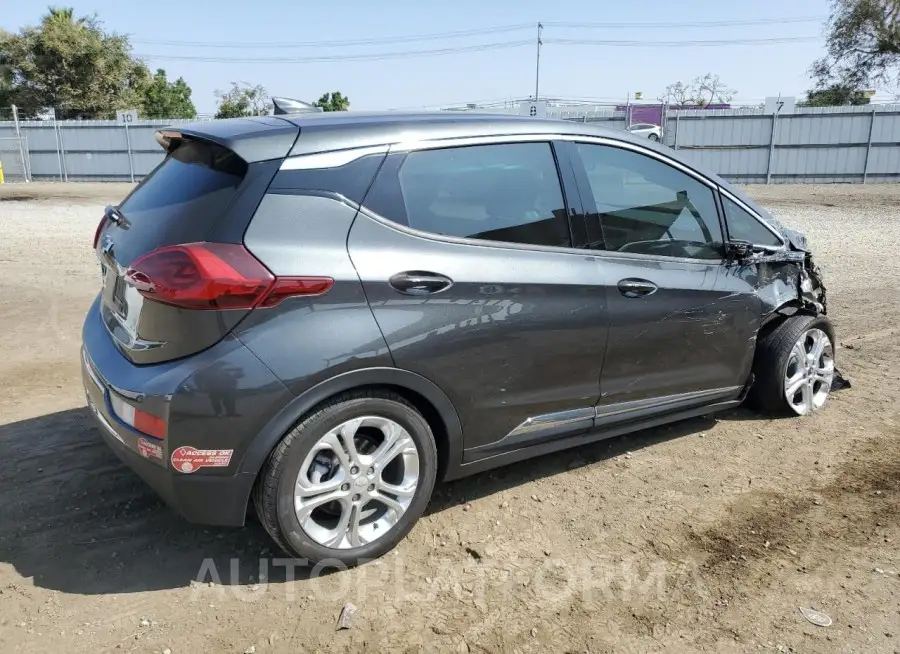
505, 192
646, 206
180, 201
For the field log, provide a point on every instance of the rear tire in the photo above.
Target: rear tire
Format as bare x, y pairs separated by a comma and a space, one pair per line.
794, 366
325, 502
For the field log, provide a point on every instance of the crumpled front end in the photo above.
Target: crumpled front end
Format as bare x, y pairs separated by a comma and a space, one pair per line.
791, 277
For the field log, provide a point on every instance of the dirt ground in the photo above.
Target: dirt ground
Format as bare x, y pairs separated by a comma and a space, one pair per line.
708, 535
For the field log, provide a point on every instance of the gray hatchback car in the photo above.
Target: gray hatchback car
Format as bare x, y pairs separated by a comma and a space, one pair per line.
324, 314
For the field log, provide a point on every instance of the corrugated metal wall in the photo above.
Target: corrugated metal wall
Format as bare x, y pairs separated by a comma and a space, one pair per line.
821, 145
89, 150
825, 144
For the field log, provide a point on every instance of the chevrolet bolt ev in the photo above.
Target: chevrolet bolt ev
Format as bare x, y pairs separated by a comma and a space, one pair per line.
321, 315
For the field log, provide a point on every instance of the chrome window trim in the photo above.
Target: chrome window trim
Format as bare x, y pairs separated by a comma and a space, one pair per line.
753, 214
330, 158
465, 141
458, 240
336, 158
529, 247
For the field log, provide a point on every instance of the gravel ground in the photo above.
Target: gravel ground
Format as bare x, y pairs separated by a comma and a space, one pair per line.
708, 535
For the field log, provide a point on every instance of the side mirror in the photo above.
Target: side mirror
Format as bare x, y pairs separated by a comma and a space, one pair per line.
739, 251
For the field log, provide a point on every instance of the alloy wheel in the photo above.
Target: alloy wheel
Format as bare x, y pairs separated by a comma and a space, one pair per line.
356, 482
809, 372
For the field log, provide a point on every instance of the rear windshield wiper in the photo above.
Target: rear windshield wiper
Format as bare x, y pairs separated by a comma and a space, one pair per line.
113, 215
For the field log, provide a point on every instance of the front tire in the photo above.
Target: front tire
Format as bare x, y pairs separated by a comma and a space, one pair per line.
653, 137
794, 366
349, 481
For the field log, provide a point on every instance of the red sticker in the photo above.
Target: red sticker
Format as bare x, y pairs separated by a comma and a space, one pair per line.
189, 459
149, 450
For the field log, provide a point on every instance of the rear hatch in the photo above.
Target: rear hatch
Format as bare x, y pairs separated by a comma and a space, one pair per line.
176, 277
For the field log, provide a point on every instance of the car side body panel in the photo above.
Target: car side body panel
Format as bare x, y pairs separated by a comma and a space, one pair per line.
694, 333
520, 332
306, 340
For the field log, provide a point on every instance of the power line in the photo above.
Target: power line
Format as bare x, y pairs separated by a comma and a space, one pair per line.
411, 38
682, 43
502, 45
380, 56
497, 29
711, 23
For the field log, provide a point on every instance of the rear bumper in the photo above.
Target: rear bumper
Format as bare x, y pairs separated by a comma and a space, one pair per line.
186, 394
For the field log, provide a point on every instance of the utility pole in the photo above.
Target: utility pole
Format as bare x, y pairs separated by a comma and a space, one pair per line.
537, 72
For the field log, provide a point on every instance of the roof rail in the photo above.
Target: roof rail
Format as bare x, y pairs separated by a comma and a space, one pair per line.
282, 106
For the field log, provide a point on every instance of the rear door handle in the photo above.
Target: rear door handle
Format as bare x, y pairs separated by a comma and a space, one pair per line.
415, 282
636, 287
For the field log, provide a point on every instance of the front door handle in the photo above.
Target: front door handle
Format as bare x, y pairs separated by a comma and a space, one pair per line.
416, 282
636, 287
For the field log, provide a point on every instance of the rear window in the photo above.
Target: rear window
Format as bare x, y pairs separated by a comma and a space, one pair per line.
180, 201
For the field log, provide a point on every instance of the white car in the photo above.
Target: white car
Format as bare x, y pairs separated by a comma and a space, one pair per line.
652, 132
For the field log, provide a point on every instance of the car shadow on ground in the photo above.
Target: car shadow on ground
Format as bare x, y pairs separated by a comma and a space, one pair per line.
76, 520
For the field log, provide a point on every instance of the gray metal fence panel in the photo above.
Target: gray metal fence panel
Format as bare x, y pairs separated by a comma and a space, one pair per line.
807, 129
45, 166
886, 129
14, 158
884, 164
714, 131
817, 144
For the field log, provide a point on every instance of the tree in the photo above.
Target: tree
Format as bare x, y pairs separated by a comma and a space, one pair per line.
862, 43
705, 90
333, 101
678, 93
72, 65
241, 100
161, 98
834, 95
710, 89
6, 72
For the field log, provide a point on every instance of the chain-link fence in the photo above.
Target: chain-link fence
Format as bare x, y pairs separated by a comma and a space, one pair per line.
14, 159
122, 150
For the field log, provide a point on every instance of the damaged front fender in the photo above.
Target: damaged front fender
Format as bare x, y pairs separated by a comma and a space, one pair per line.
789, 277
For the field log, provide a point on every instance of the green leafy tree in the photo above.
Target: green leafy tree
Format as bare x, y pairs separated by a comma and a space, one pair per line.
333, 102
70, 64
241, 100
161, 98
863, 45
6, 73
834, 95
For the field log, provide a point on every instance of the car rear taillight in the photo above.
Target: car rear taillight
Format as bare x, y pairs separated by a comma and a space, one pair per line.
285, 287
215, 276
136, 419
98, 230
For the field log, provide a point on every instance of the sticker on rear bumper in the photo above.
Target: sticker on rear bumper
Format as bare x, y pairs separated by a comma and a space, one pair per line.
149, 450
189, 459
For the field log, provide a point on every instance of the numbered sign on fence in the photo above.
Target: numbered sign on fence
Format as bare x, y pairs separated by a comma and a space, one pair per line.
127, 116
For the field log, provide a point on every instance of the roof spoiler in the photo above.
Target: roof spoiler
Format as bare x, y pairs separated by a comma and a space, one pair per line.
167, 138
283, 106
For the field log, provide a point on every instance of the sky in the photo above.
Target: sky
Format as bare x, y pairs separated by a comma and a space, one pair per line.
178, 34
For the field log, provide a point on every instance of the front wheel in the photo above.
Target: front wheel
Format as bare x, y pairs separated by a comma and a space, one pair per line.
349, 482
794, 366
653, 137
